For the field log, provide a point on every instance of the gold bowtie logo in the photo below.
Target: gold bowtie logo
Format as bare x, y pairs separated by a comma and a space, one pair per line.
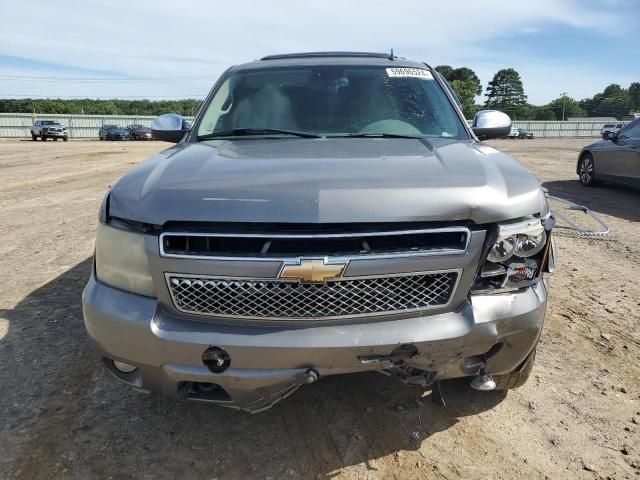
312, 271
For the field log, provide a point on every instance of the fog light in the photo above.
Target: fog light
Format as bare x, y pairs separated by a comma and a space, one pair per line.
124, 367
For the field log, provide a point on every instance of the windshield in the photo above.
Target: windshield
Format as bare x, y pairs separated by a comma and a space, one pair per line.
332, 101
49, 122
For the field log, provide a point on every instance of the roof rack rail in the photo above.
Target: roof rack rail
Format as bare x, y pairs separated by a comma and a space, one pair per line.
328, 54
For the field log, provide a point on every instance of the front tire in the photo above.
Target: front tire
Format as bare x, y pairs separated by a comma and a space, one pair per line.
43, 138
34, 137
517, 378
64, 139
587, 170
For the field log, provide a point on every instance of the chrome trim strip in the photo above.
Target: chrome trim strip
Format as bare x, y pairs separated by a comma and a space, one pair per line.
449, 251
320, 235
454, 289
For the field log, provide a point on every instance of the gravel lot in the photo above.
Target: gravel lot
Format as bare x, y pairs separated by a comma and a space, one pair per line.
63, 416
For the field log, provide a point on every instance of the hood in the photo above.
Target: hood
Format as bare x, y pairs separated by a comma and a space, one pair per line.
598, 144
330, 180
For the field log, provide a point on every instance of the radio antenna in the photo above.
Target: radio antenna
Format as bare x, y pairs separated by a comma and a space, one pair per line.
391, 56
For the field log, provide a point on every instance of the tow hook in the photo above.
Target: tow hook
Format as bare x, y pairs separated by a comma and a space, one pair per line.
483, 382
307, 377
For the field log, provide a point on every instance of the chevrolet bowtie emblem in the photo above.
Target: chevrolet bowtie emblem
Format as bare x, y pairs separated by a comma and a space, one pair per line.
312, 271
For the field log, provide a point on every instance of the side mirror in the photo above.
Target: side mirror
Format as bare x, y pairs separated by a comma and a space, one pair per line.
489, 124
169, 127
607, 135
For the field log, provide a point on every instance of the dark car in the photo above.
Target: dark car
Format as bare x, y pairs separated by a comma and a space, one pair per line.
102, 133
118, 133
614, 158
139, 132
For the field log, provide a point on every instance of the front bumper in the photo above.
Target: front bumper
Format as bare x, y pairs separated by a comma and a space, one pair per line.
55, 134
269, 362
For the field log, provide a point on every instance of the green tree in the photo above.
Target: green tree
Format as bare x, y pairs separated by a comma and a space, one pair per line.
614, 101
543, 113
465, 83
571, 108
445, 71
506, 92
45, 106
634, 94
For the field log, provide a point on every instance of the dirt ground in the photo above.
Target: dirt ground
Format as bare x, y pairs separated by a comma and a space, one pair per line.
62, 416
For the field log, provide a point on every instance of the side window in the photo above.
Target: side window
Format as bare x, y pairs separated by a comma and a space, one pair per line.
631, 131
218, 108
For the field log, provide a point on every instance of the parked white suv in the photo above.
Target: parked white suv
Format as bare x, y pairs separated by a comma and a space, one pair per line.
513, 133
49, 129
611, 127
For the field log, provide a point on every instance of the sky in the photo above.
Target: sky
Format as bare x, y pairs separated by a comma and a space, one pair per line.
161, 49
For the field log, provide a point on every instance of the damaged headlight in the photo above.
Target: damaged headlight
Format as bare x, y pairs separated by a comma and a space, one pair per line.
523, 239
515, 258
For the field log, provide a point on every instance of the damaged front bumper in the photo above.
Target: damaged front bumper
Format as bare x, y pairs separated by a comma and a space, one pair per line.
494, 332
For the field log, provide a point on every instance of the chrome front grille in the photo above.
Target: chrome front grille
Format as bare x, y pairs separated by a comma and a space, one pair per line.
289, 300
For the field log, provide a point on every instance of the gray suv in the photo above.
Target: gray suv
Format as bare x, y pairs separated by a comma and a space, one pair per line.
325, 213
49, 129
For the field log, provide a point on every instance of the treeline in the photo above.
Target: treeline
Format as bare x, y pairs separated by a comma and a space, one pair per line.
505, 92
88, 106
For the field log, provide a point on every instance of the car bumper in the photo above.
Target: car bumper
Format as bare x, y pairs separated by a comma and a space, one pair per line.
55, 134
270, 362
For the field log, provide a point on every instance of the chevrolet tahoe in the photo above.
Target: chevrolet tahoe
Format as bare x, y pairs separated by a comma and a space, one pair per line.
324, 213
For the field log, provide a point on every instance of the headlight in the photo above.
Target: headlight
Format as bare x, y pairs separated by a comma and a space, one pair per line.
523, 239
121, 260
515, 259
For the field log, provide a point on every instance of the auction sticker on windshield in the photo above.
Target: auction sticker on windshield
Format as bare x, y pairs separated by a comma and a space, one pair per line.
409, 72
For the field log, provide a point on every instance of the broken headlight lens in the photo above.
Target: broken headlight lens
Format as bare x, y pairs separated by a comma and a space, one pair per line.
514, 260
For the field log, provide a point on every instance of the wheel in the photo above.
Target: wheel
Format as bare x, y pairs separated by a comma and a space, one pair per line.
64, 139
587, 171
43, 138
518, 377
34, 137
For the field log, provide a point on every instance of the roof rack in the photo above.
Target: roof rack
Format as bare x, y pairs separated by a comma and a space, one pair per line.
329, 54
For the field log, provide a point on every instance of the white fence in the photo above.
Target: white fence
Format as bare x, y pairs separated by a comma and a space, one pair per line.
583, 128
87, 126
80, 126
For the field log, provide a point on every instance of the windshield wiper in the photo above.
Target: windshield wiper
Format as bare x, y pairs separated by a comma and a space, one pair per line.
244, 132
380, 135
